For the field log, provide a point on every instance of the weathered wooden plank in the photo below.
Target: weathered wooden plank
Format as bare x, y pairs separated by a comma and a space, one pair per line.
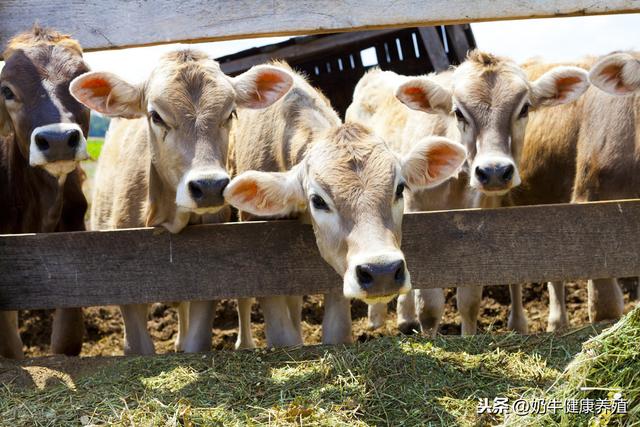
121, 23
303, 51
460, 45
470, 247
433, 46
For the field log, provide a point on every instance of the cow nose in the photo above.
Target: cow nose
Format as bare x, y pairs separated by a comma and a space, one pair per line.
57, 145
381, 278
495, 176
207, 192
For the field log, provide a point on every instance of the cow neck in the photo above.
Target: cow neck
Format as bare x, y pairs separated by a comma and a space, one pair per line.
34, 197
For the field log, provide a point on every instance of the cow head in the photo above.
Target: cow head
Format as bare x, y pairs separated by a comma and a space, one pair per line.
188, 104
490, 98
35, 104
352, 185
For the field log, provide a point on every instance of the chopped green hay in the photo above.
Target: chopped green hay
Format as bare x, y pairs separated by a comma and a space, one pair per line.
392, 380
608, 364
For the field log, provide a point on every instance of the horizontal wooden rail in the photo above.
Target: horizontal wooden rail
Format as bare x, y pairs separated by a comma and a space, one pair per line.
125, 23
467, 247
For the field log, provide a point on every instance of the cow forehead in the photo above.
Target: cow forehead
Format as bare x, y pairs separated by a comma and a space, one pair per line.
354, 175
496, 87
191, 87
56, 64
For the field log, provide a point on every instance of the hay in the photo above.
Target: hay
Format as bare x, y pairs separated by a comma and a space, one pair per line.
608, 365
392, 380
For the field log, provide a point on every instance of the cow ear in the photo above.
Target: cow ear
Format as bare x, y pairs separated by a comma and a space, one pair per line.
5, 120
421, 93
560, 85
432, 161
261, 86
617, 74
266, 193
108, 94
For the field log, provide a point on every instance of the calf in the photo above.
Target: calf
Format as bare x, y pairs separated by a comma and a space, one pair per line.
348, 184
586, 152
42, 141
164, 160
484, 103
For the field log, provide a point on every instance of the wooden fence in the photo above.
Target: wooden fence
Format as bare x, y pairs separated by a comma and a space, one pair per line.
468, 247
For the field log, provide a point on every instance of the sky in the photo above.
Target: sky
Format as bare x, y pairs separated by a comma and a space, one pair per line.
555, 39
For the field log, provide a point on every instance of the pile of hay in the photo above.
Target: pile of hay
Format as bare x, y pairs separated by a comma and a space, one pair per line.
607, 369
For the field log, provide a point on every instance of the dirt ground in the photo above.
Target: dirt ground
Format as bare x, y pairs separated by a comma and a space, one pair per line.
104, 327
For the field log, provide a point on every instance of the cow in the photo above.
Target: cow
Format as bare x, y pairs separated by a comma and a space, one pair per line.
484, 103
164, 160
343, 180
42, 141
581, 152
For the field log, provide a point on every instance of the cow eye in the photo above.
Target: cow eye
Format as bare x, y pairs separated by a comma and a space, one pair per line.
399, 191
319, 203
459, 115
7, 93
524, 112
155, 118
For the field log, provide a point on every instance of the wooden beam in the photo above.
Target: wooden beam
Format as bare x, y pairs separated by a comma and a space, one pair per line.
434, 47
469, 247
125, 23
304, 50
459, 42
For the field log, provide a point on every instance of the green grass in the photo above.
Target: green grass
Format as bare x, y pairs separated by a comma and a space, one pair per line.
393, 380
94, 146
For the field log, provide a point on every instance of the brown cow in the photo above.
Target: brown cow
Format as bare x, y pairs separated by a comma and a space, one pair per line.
585, 151
348, 184
42, 140
167, 165
484, 103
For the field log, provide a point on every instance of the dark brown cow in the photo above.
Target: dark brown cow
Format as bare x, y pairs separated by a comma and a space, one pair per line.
42, 139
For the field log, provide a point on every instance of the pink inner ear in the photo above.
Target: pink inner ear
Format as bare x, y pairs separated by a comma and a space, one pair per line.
440, 158
267, 83
98, 86
611, 73
245, 191
566, 85
416, 96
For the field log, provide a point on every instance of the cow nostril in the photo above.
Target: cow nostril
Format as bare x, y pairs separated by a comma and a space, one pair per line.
507, 174
222, 184
365, 279
400, 276
74, 139
482, 176
42, 143
195, 190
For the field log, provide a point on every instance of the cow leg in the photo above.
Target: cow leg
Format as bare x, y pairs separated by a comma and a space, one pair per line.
517, 317
558, 318
136, 336
406, 310
605, 300
199, 335
245, 335
10, 342
294, 303
469, 299
183, 325
67, 331
278, 326
336, 322
376, 314
430, 307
